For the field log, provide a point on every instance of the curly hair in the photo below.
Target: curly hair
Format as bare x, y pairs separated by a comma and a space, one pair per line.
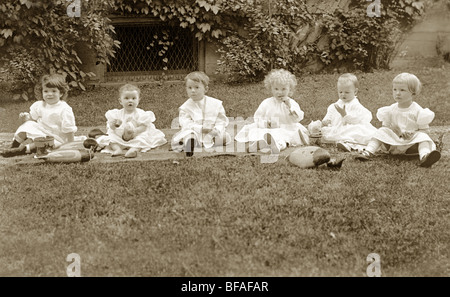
281, 76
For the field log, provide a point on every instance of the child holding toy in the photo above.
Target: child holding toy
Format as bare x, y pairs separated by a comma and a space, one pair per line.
202, 118
130, 128
405, 124
347, 122
50, 122
277, 119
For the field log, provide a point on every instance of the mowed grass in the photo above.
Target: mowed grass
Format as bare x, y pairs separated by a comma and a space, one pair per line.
225, 216
314, 93
229, 216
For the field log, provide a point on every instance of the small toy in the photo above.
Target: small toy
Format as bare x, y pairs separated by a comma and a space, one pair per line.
315, 128
128, 131
313, 156
67, 156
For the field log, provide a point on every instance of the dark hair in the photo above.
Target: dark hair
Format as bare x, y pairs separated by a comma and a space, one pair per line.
53, 81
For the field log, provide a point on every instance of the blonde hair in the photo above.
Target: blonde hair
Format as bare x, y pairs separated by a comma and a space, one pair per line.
54, 81
413, 83
281, 76
129, 88
348, 78
199, 77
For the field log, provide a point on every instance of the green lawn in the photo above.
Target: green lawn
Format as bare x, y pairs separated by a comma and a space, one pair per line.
229, 216
314, 93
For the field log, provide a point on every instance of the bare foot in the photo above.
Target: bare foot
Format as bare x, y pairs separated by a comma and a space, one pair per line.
131, 153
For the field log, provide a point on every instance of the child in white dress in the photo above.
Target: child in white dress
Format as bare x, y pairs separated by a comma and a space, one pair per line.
347, 122
405, 125
202, 118
50, 118
131, 127
277, 119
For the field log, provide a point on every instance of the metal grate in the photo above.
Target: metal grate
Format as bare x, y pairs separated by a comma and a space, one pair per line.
153, 49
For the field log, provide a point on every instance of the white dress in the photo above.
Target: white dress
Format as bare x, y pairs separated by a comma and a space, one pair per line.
411, 119
354, 128
193, 116
273, 117
50, 120
145, 141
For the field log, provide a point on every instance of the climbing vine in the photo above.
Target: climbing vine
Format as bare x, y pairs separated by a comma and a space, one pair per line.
39, 36
253, 36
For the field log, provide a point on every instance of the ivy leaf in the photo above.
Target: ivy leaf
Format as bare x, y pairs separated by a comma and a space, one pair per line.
81, 86
204, 27
216, 33
418, 5
215, 9
6, 32
409, 10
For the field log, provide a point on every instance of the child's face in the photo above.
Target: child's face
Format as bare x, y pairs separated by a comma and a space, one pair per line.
280, 91
51, 95
401, 93
346, 91
195, 90
129, 100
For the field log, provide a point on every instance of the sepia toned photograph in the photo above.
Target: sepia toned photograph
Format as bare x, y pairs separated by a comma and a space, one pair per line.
227, 145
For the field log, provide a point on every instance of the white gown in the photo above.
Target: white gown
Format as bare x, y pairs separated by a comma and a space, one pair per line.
411, 119
273, 117
193, 116
49, 120
146, 140
355, 128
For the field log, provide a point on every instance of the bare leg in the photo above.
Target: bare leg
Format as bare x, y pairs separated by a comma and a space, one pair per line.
117, 149
132, 152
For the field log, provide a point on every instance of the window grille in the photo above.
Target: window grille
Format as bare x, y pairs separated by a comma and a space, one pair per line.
151, 49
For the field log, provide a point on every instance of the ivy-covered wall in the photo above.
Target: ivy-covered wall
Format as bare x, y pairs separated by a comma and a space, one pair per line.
251, 36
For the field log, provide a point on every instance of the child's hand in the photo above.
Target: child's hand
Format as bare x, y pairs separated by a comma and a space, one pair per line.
287, 102
341, 110
116, 123
207, 127
396, 130
407, 135
326, 123
206, 130
24, 116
